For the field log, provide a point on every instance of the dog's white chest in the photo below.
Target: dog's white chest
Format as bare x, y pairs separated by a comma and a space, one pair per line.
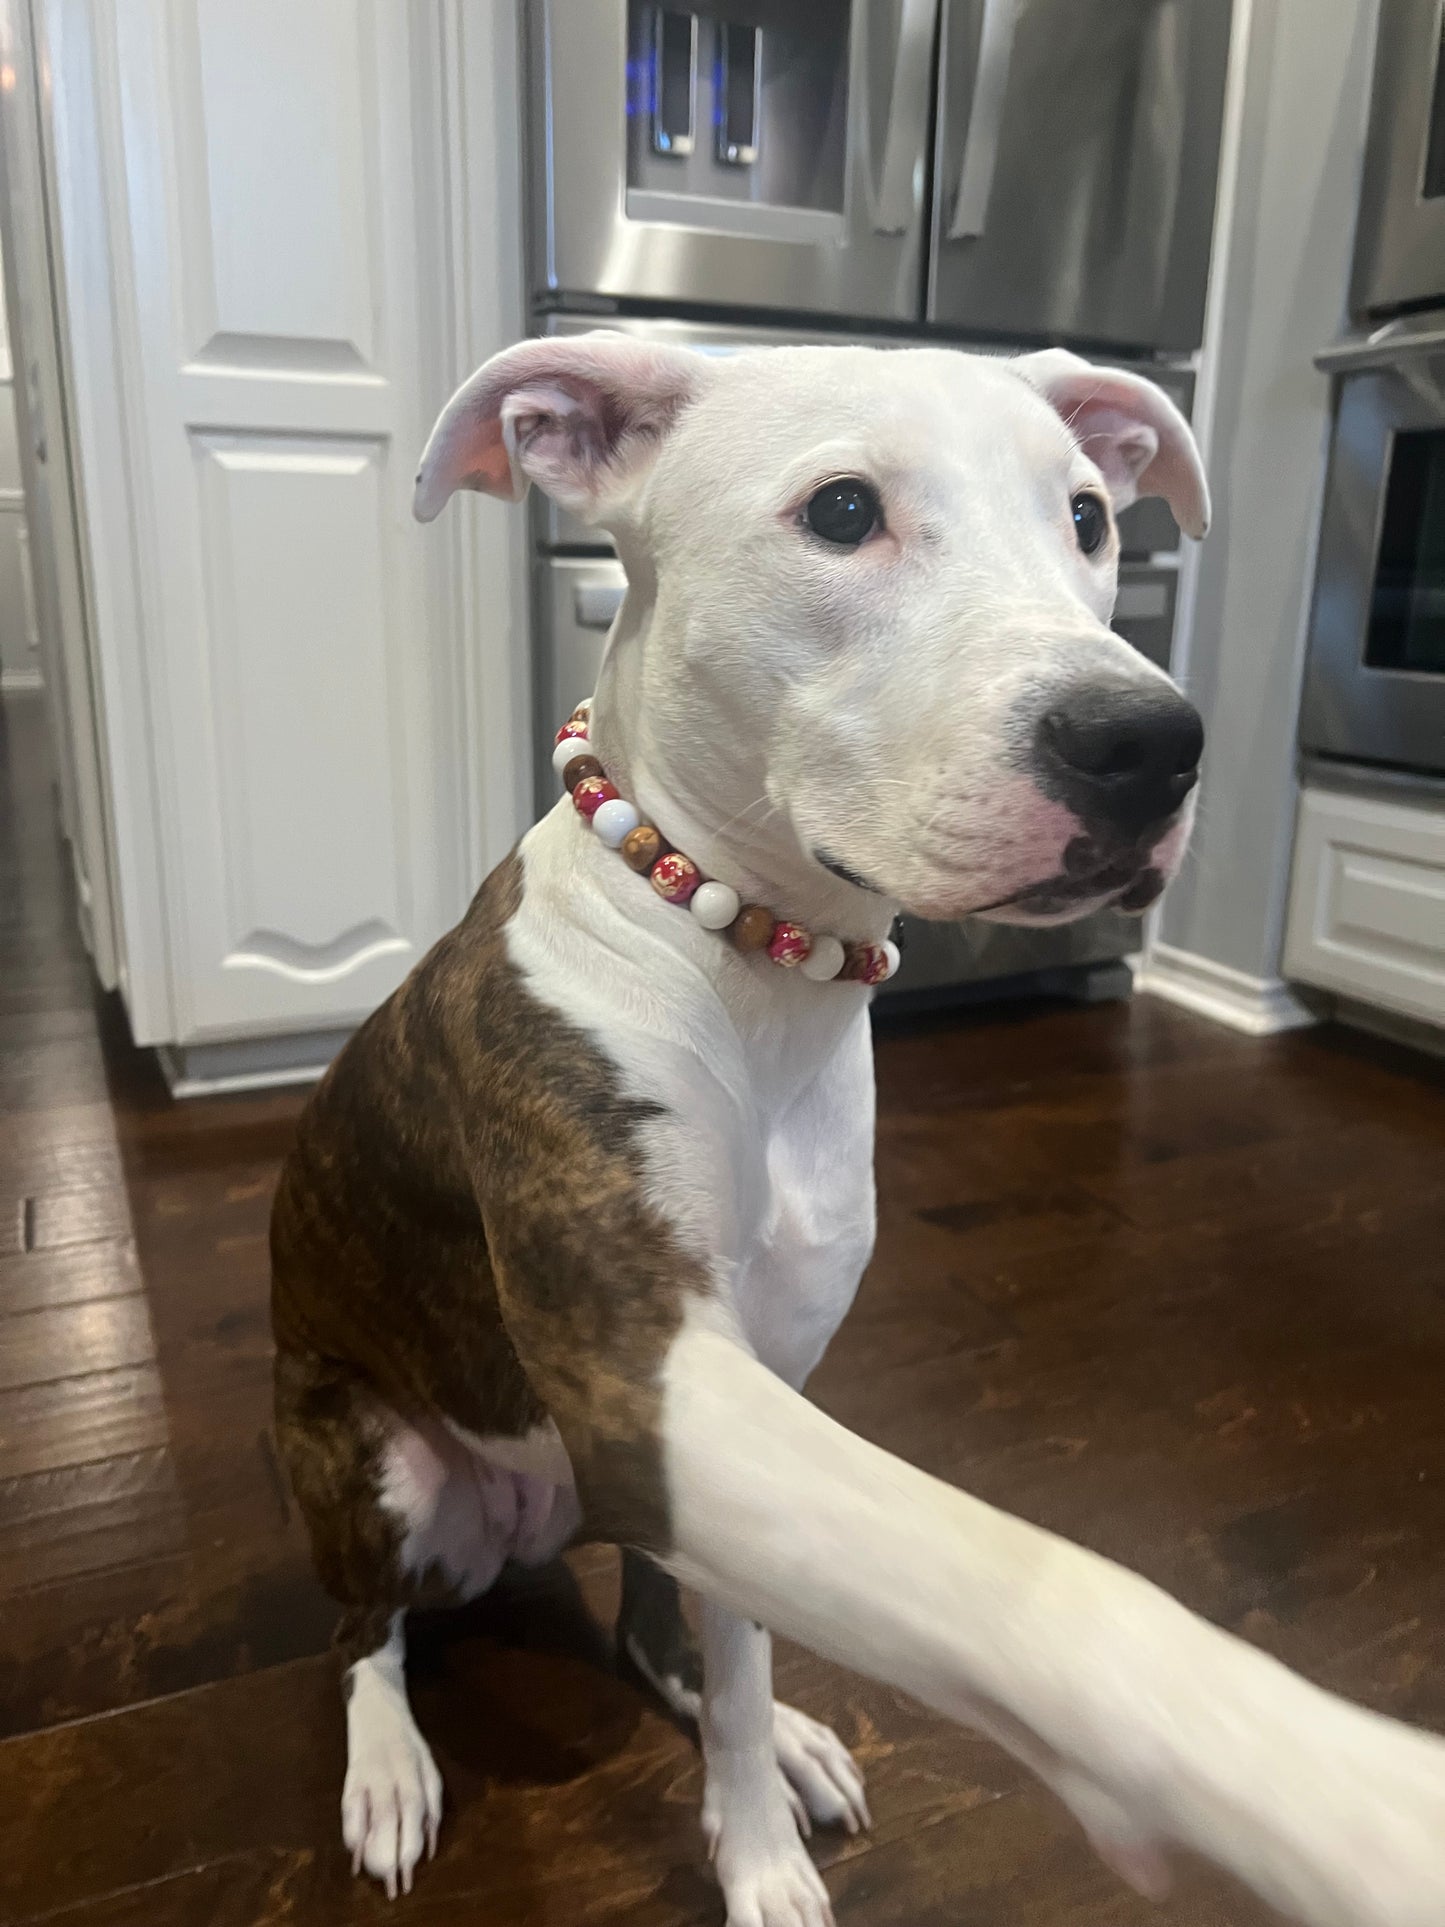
815, 1231
760, 1148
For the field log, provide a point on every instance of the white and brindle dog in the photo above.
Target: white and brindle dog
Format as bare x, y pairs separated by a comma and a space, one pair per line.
574, 1215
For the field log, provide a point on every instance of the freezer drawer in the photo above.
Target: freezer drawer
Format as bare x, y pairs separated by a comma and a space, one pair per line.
938, 957
1144, 611
1075, 159
574, 601
764, 154
576, 598
1147, 528
939, 954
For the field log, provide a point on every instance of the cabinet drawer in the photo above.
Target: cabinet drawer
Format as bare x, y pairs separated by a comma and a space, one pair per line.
1367, 901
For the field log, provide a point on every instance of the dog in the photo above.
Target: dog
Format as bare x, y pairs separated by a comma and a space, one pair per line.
572, 1217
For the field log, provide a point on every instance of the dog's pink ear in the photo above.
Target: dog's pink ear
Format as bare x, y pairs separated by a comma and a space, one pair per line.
581, 418
1130, 429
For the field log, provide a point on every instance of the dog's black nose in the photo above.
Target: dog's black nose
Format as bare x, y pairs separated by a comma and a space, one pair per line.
1120, 756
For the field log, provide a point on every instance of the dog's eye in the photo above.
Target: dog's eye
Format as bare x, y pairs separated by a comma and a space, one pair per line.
843, 512
1091, 522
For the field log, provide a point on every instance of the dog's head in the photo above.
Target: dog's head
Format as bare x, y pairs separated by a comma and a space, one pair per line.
871, 589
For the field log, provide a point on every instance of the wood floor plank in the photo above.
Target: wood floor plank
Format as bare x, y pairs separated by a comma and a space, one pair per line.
85, 1518
67, 1275
60, 1216
77, 1420
129, 1633
68, 1341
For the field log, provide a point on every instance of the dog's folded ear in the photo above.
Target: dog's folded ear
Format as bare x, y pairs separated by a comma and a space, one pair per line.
582, 418
1129, 427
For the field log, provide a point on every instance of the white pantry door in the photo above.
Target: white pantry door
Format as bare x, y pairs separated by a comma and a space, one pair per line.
268, 192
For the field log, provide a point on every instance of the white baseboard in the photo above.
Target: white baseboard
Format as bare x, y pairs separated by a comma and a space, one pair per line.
258, 1064
1258, 1005
13, 681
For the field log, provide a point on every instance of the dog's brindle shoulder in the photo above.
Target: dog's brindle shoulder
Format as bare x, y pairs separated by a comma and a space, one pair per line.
459, 1236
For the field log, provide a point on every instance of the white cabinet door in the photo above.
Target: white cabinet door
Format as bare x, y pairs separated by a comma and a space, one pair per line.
274, 232
1367, 901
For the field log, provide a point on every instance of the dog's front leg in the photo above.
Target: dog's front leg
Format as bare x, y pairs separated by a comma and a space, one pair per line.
752, 1817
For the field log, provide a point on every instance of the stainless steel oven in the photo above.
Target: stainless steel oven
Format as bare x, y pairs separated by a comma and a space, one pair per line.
1400, 255
1375, 678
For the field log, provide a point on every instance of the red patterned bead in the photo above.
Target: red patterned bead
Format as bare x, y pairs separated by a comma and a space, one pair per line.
870, 964
789, 945
591, 793
675, 877
574, 726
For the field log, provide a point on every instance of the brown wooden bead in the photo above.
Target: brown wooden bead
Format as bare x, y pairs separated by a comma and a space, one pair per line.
579, 769
752, 927
641, 847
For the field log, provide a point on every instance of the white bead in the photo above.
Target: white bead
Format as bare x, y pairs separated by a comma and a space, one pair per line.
615, 819
824, 960
894, 956
715, 905
569, 747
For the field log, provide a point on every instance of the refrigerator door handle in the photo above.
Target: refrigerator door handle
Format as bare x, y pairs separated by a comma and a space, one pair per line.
895, 196
595, 604
996, 31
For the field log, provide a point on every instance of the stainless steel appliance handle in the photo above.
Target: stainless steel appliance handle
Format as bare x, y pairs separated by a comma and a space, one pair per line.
908, 107
1387, 347
985, 119
595, 604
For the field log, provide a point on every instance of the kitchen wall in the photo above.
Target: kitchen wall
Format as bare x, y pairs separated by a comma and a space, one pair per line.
1283, 252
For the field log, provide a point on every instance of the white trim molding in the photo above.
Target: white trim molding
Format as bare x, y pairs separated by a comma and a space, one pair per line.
13, 681
1259, 1006
254, 1064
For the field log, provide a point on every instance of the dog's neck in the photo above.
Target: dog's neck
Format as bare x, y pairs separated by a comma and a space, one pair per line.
702, 781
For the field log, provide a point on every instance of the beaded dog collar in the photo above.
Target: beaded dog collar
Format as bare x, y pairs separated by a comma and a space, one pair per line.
677, 879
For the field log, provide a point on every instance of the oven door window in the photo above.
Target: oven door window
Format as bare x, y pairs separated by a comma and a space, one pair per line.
1407, 609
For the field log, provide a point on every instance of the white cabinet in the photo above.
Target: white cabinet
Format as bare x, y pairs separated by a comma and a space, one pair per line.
271, 260
277, 271
1367, 901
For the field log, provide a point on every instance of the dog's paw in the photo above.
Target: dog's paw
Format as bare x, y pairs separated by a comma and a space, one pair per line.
820, 1770
762, 1865
391, 1807
783, 1892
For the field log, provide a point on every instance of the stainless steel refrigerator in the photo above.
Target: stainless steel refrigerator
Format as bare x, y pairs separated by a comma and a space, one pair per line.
999, 173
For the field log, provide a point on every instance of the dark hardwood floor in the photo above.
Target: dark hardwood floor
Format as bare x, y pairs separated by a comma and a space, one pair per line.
1173, 1292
